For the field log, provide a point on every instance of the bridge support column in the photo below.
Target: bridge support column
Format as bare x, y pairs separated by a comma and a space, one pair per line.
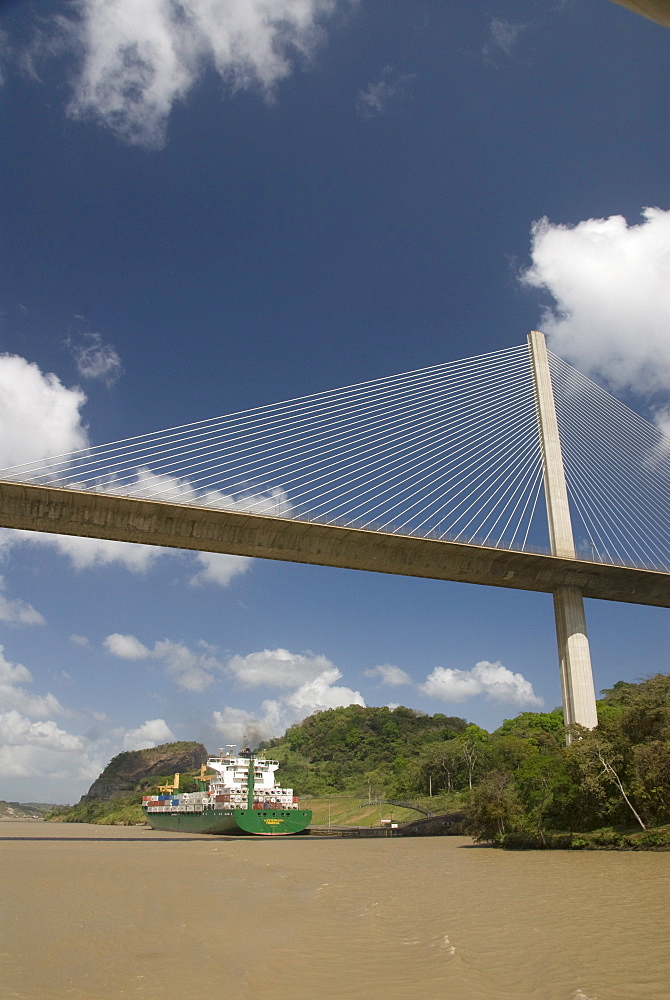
579, 700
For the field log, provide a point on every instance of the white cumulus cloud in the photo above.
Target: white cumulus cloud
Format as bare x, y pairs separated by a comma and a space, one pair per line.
610, 282
16, 611
490, 679
450, 685
39, 416
41, 705
315, 694
16, 762
92, 553
17, 730
126, 647
277, 668
320, 693
95, 553
152, 485
13, 673
219, 568
138, 59
42, 761
190, 671
388, 674
15, 696
150, 734
46, 763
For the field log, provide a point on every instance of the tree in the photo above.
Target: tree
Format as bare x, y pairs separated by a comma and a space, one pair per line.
442, 761
646, 712
600, 765
545, 789
494, 809
473, 748
508, 753
376, 783
545, 729
651, 766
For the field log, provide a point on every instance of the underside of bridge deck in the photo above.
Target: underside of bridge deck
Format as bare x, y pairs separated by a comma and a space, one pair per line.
93, 515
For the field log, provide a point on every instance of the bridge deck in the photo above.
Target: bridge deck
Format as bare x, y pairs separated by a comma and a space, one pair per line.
150, 522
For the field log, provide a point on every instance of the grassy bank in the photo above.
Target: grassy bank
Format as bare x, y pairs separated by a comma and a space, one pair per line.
350, 810
122, 811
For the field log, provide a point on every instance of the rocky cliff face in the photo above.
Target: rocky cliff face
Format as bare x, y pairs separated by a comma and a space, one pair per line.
125, 771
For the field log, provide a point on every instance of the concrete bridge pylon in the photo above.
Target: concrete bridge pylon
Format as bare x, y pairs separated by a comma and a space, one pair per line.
579, 700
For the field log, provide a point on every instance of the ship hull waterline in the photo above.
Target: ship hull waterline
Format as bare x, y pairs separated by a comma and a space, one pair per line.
257, 822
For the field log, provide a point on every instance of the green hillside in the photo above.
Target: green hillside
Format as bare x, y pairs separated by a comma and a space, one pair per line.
520, 785
356, 749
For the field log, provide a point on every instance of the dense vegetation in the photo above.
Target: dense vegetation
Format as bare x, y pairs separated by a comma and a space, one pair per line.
357, 749
520, 786
519, 782
123, 811
616, 776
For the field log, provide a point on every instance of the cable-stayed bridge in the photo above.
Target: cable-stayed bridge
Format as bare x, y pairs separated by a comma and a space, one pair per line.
508, 469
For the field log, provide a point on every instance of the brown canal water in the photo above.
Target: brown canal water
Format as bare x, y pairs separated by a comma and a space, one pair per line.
100, 913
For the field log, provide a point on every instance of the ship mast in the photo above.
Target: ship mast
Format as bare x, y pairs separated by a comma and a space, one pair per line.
250, 784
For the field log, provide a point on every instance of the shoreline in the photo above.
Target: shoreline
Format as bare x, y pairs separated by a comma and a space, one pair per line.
655, 840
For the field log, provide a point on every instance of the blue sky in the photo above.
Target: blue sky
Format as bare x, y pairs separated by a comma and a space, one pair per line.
203, 214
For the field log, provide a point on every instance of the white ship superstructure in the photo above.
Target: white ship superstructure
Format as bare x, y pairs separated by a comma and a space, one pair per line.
232, 782
230, 788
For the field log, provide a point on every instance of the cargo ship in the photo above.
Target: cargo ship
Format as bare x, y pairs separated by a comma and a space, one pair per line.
240, 798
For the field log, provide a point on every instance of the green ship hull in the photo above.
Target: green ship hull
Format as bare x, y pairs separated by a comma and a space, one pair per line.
259, 822
272, 812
